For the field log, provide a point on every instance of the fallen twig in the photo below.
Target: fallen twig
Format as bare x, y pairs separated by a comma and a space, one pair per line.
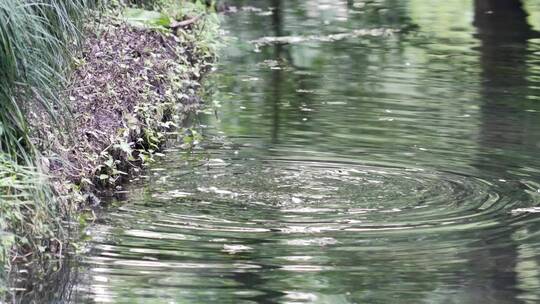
177, 24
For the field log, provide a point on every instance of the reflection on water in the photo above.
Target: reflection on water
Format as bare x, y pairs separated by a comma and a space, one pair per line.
393, 168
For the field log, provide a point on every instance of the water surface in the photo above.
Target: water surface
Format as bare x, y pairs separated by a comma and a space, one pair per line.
354, 152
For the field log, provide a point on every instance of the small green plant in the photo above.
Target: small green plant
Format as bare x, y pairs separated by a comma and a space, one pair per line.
146, 18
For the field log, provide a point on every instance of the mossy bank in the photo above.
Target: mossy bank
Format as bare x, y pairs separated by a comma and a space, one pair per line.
125, 80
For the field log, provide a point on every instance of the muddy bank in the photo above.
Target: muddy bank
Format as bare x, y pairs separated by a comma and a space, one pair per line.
131, 86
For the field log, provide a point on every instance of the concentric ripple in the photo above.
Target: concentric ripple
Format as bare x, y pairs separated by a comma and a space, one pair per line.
288, 231
315, 197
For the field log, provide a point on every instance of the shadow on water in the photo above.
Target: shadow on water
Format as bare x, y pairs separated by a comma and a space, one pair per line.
55, 286
506, 86
254, 280
506, 130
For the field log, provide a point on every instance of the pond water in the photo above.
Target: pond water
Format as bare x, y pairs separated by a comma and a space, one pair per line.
354, 152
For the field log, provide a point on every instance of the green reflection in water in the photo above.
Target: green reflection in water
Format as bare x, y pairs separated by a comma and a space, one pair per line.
374, 169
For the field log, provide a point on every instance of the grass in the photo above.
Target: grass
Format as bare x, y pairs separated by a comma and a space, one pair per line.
36, 37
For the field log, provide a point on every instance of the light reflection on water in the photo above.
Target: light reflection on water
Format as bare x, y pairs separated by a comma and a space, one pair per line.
395, 168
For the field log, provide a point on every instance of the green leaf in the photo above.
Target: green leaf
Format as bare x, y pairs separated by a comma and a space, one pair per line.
109, 162
125, 147
141, 17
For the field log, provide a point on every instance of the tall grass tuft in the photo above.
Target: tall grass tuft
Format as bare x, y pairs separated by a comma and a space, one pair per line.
36, 38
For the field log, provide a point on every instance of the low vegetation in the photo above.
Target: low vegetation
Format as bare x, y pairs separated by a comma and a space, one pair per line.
79, 115
35, 51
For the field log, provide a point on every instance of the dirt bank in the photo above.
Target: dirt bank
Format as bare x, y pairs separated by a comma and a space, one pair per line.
130, 88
